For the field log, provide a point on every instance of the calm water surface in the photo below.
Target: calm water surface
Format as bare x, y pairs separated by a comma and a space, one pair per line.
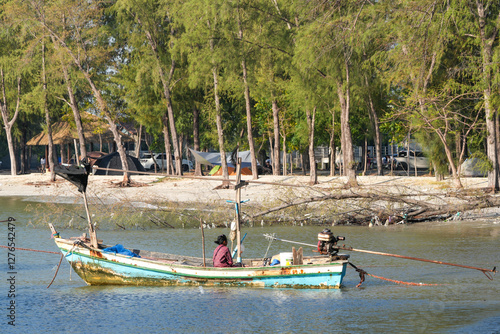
464, 302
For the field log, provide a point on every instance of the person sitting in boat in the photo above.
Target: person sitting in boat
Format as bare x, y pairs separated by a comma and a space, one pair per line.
222, 256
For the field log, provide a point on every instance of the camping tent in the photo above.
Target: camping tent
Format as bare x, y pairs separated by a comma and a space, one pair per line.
474, 167
213, 158
217, 171
113, 161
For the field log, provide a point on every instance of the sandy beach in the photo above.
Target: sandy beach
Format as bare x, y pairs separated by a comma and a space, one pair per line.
154, 188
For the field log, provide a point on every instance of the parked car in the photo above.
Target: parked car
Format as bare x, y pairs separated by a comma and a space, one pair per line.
149, 161
416, 158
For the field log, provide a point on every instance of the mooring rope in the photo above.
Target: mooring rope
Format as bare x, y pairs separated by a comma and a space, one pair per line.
57, 270
41, 251
362, 274
31, 250
76, 243
10, 219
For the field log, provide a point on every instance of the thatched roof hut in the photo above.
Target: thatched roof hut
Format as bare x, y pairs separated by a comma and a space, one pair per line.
95, 130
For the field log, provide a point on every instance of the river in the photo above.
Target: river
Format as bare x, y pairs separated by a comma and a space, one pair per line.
462, 301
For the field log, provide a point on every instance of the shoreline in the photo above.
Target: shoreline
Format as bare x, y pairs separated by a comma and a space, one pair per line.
169, 194
158, 188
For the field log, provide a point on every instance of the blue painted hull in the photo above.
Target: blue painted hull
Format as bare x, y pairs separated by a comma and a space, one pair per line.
101, 268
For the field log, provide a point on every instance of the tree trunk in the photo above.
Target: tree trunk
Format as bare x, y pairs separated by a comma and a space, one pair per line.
196, 138
311, 119
490, 113
375, 123
168, 152
9, 124
23, 156
332, 146
74, 105
276, 121
365, 155
137, 151
251, 144
284, 156
348, 162
51, 159
167, 94
171, 120
101, 103
304, 158
220, 129
271, 148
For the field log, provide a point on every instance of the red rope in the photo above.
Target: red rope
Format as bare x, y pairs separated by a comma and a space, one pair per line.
362, 274
401, 282
31, 250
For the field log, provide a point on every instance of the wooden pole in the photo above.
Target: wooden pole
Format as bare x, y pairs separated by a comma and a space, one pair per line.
417, 259
77, 160
203, 241
392, 255
92, 232
237, 206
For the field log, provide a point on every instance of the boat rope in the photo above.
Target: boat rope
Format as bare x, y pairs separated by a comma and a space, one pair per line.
269, 246
489, 273
76, 243
10, 219
362, 274
57, 270
31, 250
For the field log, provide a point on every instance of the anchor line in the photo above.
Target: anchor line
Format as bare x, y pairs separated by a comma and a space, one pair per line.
362, 274
487, 272
31, 250
57, 270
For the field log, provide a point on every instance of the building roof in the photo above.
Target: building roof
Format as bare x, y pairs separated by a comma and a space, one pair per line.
95, 129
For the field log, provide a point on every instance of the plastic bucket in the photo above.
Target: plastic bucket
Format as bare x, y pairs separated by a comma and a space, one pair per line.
286, 259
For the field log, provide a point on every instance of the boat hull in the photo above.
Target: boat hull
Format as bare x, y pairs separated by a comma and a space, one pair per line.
96, 267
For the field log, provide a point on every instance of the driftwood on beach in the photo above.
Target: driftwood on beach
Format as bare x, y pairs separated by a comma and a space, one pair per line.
364, 205
182, 202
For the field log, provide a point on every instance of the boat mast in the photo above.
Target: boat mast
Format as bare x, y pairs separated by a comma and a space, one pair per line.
79, 176
92, 231
237, 187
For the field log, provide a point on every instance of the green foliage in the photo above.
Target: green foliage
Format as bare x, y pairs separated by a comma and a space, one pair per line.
419, 62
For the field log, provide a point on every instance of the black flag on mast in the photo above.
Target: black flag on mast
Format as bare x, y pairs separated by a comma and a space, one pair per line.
78, 175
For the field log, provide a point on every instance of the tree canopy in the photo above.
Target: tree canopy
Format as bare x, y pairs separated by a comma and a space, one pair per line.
269, 76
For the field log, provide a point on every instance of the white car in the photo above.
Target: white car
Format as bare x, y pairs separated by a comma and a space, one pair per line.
416, 158
149, 161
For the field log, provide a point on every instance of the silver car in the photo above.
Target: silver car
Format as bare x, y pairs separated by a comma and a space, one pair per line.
149, 161
416, 159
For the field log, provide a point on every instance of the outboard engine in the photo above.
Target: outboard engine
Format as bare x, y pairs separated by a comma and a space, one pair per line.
327, 243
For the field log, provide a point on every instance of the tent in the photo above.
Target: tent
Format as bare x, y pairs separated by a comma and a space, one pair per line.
113, 161
213, 158
474, 167
217, 171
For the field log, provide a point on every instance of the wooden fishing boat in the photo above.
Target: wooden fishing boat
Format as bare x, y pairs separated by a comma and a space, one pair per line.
98, 264
99, 267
